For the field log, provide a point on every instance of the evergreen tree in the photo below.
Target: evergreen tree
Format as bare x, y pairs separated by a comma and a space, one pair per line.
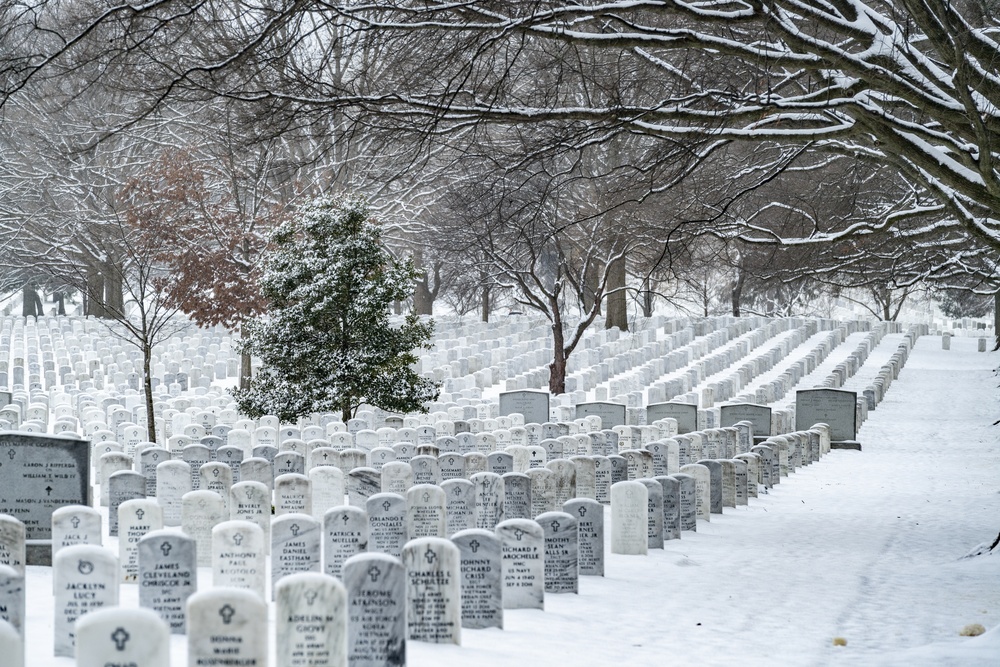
326, 343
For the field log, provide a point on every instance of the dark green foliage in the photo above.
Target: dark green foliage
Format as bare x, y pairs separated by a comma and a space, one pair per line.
327, 344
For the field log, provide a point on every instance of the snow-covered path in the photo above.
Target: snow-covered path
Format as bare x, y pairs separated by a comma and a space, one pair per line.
861, 545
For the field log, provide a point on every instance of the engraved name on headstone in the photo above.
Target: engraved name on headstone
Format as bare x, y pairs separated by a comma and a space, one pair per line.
482, 583
345, 534
86, 579
168, 576
376, 604
311, 621
227, 626
561, 552
523, 564
433, 591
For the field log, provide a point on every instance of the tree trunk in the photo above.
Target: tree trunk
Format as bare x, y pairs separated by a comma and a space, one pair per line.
94, 294
557, 369
346, 414
147, 385
423, 302
996, 319
486, 303
114, 298
647, 298
736, 295
246, 370
31, 305
617, 315
590, 284
61, 301
423, 299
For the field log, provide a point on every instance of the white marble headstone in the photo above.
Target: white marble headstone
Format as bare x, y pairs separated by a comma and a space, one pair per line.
12, 597
311, 621
86, 579
121, 636
345, 534
433, 591
168, 575
227, 626
239, 556
523, 565
11, 644
629, 518
135, 519
376, 599
202, 510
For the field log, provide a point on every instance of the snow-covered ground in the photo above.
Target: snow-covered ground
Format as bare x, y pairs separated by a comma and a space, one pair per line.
865, 546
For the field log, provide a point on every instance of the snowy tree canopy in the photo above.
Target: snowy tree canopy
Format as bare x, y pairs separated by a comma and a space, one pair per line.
908, 83
327, 343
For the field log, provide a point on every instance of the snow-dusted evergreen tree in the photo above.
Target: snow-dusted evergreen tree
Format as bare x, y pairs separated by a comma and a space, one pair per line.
326, 343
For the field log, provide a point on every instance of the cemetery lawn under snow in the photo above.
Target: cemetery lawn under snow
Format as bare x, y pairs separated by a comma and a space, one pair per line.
864, 546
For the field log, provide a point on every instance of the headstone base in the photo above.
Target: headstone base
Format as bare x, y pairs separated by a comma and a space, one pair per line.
38, 552
846, 444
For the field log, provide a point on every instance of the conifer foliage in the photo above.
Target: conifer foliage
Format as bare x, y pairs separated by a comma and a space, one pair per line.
326, 342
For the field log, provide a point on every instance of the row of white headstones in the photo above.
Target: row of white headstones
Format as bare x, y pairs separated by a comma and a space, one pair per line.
631, 532
689, 359
438, 585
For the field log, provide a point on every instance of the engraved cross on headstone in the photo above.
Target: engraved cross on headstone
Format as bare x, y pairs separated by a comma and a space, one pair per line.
227, 613
120, 638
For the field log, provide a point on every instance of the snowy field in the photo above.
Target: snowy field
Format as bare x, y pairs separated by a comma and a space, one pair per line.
866, 546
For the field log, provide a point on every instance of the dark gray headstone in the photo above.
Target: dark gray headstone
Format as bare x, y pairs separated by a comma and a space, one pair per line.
611, 414
40, 474
835, 407
758, 415
534, 405
686, 415
362, 483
